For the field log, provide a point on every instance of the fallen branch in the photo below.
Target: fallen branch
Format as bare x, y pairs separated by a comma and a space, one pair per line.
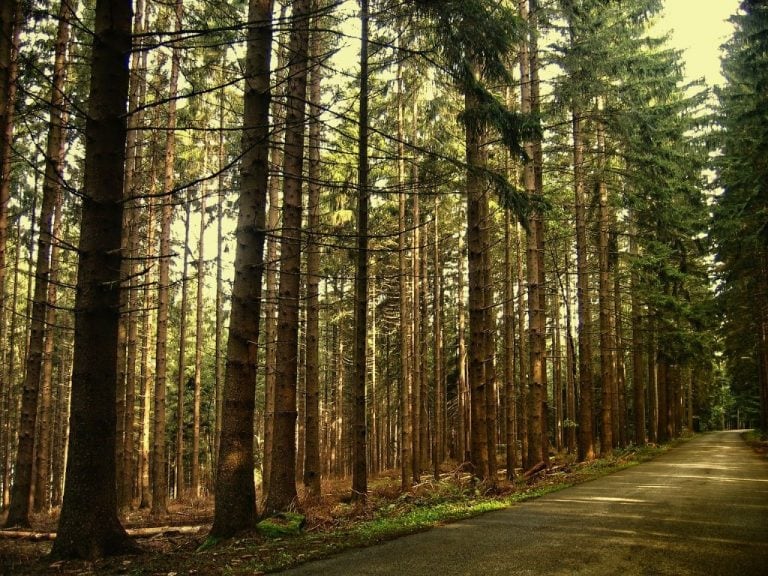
531, 472
135, 532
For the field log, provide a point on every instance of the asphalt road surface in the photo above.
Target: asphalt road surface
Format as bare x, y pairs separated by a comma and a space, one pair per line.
701, 508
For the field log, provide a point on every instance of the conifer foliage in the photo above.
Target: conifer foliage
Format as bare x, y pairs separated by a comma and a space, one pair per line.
740, 224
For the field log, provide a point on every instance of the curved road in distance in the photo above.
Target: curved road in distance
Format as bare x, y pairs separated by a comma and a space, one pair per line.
699, 509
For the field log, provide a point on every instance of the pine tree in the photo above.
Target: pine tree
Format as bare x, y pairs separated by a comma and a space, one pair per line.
282, 481
235, 491
88, 525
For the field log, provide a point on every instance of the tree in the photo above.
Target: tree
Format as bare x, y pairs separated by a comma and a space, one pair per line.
9, 35
475, 59
538, 448
312, 468
360, 460
282, 482
234, 487
88, 525
405, 332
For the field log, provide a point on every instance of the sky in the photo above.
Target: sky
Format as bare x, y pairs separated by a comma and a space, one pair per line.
699, 27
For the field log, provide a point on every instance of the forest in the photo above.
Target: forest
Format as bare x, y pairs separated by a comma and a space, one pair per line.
247, 247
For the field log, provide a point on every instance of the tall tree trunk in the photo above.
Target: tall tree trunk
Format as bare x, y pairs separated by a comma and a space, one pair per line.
148, 296
638, 363
406, 377
312, 427
47, 429
425, 443
159, 450
416, 368
235, 491
181, 366
218, 338
9, 39
538, 173
583, 295
359, 458
88, 525
571, 365
510, 393
522, 349
763, 345
607, 352
462, 384
9, 397
199, 337
620, 395
653, 397
147, 375
489, 344
273, 250
282, 481
130, 270
18, 513
438, 448
662, 397
477, 200
557, 373
536, 336
61, 437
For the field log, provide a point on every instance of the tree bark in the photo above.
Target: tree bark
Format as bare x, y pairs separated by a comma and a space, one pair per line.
235, 490
583, 295
199, 337
441, 410
607, 343
359, 459
406, 377
181, 365
510, 392
88, 525
273, 251
130, 293
47, 430
159, 450
282, 480
9, 39
638, 363
312, 373
477, 200
537, 451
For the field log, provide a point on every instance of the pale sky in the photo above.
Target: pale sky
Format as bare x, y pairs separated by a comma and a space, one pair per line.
700, 27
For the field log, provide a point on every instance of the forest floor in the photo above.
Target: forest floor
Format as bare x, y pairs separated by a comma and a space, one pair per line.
179, 545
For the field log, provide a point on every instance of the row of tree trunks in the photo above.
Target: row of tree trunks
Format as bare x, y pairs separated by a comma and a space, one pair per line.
35, 385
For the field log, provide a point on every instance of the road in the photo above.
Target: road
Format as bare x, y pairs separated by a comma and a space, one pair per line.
699, 509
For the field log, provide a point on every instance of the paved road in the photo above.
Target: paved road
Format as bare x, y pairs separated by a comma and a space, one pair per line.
701, 509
